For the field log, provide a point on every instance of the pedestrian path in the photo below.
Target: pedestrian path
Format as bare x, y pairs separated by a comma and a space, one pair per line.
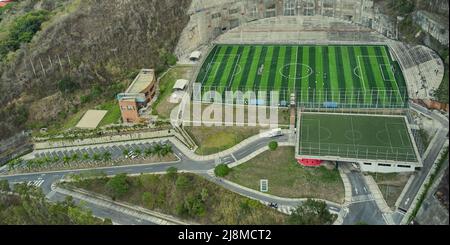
286, 209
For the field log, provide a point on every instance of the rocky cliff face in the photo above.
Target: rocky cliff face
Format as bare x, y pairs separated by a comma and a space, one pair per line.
90, 42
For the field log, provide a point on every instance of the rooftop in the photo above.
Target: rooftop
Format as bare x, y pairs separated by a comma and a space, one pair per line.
356, 137
180, 84
142, 81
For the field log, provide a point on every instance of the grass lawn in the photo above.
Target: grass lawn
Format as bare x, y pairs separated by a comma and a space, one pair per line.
162, 107
287, 178
391, 185
212, 140
113, 115
213, 204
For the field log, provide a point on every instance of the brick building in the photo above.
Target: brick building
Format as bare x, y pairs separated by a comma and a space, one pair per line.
135, 100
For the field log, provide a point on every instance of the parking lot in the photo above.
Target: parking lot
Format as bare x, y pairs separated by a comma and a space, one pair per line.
87, 153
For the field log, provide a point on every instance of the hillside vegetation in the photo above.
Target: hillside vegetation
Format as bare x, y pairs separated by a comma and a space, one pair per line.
28, 206
56, 56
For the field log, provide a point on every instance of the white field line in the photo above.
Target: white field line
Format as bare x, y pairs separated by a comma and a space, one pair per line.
210, 64
234, 72
382, 73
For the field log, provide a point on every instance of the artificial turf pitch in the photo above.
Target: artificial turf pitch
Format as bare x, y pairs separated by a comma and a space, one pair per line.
355, 137
359, 76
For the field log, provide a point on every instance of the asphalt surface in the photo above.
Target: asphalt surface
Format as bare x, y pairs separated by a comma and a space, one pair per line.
428, 161
45, 180
363, 207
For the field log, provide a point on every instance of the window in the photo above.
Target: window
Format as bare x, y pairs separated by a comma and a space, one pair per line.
289, 8
234, 11
130, 108
368, 163
384, 165
216, 15
254, 12
403, 166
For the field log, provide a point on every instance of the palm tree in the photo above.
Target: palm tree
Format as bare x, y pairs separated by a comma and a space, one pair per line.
166, 149
30, 164
47, 160
158, 149
96, 157
55, 159
75, 157
149, 152
125, 152
86, 156
66, 160
107, 156
138, 152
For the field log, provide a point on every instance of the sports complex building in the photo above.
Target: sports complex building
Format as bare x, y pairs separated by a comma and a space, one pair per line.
349, 85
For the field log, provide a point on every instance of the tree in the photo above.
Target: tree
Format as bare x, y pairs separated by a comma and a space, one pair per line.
4, 186
106, 156
312, 212
138, 152
66, 159
273, 145
96, 157
75, 157
166, 150
158, 150
222, 170
86, 156
125, 152
67, 85
148, 152
30, 207
118, 185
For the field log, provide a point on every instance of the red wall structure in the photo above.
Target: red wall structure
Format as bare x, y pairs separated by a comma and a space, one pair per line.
310, 162
5, 2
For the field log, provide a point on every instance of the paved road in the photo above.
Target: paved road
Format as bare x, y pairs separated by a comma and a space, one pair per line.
363, 207
428, 162
45, 180
264, 198
118, 218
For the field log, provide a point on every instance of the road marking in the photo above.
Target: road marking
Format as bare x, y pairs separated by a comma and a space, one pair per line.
356, 190
365, 190
407, 201
36, 183
232, 155
364, 198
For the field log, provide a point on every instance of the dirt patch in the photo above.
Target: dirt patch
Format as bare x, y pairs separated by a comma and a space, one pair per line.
391, 185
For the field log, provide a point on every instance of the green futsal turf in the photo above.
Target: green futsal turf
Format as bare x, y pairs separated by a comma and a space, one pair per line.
365, 76
355, 137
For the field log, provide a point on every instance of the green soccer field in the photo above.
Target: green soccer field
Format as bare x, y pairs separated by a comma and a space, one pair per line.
355, 137
348, 76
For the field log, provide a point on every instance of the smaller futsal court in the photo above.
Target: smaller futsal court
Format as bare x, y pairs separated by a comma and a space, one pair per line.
350, 136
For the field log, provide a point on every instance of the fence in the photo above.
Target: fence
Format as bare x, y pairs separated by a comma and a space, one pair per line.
312, 98
350, 151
